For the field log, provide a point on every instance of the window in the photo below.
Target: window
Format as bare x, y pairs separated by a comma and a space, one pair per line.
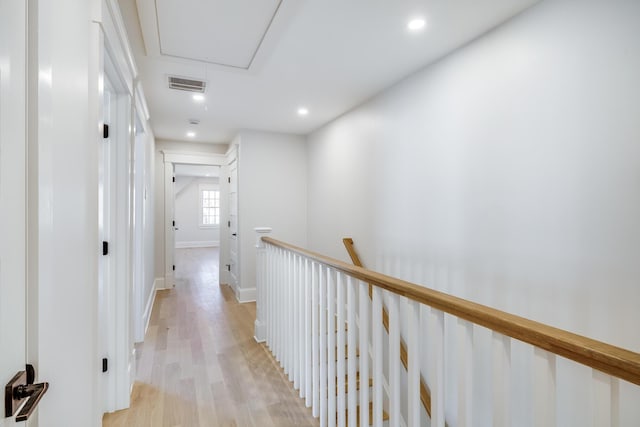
209, 207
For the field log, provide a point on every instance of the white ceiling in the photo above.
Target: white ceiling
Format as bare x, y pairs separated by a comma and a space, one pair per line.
326, 55
241, 24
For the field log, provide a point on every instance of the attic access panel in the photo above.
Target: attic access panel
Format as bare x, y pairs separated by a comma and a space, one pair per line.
223, 32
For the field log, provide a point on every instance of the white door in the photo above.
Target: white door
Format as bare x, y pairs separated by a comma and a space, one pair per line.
233, 225
13, 143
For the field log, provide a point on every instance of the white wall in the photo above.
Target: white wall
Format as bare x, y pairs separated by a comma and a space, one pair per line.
159, 220
272, 192
506, 173
190, 233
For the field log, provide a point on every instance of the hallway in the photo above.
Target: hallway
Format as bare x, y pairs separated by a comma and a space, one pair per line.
199, 364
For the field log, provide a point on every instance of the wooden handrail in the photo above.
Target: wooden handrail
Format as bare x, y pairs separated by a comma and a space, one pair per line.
611, 360
425, 394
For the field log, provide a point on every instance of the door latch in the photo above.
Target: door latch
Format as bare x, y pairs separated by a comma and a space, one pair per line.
22, 394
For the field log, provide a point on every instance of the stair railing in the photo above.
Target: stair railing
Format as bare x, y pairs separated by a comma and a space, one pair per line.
425, 393
304, 300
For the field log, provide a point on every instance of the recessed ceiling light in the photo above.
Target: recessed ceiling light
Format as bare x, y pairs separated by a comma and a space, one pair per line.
302, 111
191, 134
198, 97
416, 24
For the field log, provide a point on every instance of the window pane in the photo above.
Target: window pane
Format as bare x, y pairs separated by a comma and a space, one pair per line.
210, 214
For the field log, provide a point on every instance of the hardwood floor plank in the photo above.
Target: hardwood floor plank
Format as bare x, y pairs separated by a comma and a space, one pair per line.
199, 364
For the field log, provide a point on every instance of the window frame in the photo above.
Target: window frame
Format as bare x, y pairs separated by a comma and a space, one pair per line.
201, 189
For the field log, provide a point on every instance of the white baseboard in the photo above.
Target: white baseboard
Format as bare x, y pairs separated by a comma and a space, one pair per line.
246, 295
158, 283
148, 309
198, 244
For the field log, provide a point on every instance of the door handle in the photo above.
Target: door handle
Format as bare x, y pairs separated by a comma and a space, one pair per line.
234, 234
21, 389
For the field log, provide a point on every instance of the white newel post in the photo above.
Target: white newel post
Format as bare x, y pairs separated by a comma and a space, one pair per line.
260, 334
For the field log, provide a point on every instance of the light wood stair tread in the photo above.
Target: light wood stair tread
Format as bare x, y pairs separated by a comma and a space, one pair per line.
385, 415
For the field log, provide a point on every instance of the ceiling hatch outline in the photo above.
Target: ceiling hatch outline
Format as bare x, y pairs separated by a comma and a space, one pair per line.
237, 67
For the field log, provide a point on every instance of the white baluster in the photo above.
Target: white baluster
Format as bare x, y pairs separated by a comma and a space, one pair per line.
302, 330
544, 388
394, 359
294, 323
437, 368
465, 373
331, 345
413, 368
378, 374
276, 300
267, 288
605, 400
501, 380
351, 350
281, 306
615, 402
365, 321
323, 345
315, 354
308, 291
272, 302
300, 325
285, 314
289, 313
340, 351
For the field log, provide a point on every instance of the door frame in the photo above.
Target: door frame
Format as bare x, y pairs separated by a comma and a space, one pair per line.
116, 64
14, 214
170, 158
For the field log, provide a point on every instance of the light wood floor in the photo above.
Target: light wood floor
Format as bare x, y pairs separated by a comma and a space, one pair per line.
199, 364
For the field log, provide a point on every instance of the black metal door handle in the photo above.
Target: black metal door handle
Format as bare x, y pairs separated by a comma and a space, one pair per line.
234, 234
21, 389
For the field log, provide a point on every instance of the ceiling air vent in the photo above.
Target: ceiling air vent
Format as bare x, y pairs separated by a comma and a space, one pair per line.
191, 85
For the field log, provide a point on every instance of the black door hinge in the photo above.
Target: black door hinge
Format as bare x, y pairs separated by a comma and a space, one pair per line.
105, 131
228, 267
174, 268
174, 179
229, 180
105, 364
174, 223
105, 248
229, 224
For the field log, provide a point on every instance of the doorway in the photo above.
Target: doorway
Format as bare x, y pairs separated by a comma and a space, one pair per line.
182, 160
197, 206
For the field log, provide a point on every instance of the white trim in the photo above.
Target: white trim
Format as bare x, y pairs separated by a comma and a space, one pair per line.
170, 158
198, 244
158, 283
260, 331
116, 42
193, 158
141, 104
169, 229
245, 294
207, 187
146, 317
